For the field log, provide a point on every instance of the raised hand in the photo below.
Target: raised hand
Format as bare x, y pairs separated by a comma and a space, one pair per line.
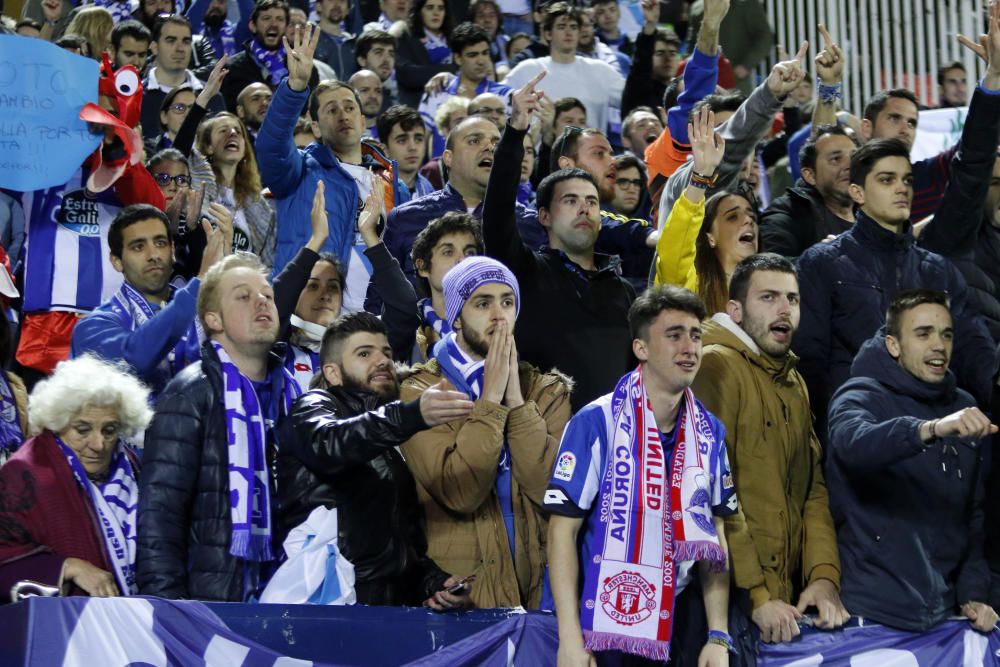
707, 145
651, 14
439, 405
715, 12
830, 61
222, 218
318, 220
371, 213
214, 83
524, 102
215, 247
299, 56
786, 75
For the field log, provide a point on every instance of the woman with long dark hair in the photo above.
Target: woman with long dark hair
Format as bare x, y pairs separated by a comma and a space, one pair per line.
702, 241
422, 48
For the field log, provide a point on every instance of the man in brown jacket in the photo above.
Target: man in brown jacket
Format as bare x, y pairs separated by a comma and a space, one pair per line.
785, 549
481, 480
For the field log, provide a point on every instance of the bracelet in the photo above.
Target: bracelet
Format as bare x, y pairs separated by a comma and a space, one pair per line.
702, 181
721, 638
829, 94
933, 429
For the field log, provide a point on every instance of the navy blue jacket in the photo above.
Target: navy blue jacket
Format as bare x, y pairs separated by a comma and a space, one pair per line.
846, 287
409, 219
909, 524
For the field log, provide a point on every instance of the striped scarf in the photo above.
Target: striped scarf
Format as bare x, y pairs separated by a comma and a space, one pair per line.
659, 514
432, 319
115, 502
249, 482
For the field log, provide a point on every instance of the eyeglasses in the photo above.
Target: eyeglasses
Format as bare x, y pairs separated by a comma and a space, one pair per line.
629, 183
163, 178
559, 145
179, 108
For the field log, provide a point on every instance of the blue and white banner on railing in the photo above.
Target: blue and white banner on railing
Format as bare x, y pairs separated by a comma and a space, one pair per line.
84, 632
951, 644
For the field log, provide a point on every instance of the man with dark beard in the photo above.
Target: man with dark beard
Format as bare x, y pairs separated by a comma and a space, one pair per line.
785, 550
339, 451
263, 58
481, 478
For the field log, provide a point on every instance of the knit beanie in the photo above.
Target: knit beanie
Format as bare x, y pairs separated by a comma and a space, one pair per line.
469, 275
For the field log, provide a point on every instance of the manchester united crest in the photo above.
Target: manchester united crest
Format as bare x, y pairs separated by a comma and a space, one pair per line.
627, 598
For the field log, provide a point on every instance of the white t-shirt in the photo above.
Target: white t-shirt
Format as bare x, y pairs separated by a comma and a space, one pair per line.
597, 84
359, 269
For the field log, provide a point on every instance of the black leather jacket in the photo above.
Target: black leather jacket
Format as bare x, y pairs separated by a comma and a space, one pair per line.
339, 450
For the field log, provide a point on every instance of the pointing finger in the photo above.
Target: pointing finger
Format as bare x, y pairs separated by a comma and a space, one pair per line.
803, 50
827, 39
534, 80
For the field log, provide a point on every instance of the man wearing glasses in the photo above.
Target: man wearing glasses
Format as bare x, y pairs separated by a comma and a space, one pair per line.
905, 475
171, 48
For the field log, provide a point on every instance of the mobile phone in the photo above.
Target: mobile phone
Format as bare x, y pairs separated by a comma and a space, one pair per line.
462, 585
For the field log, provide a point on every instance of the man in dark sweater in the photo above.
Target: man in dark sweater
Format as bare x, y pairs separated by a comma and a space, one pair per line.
574, 314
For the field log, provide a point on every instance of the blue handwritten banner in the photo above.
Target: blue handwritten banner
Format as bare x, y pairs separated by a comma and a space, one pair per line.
42, 89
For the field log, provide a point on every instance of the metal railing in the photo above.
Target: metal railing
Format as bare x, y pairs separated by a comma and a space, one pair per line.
888, 43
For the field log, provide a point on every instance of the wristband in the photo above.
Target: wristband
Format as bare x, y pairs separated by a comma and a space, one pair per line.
829, 94
721, 638
702, 181
933, 429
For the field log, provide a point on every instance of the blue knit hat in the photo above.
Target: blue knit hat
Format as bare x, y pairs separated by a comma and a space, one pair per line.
469, 275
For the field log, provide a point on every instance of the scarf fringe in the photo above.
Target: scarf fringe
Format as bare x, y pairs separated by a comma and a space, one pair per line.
606, 641
251, 547
702, 551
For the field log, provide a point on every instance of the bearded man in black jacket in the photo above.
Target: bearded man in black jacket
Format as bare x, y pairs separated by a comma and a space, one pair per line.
339, 449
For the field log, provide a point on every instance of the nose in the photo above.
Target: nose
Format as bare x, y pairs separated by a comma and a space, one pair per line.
96, 442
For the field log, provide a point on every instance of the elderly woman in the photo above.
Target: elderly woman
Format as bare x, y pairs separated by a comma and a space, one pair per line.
74, 475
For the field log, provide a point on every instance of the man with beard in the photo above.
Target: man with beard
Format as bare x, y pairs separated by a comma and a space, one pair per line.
130, 45
787, 540
263, 58
339, 450
905, 469
818, 205
375, 50
481, 478
368, 86
336, 46
206, 499
208, 18
251, 106
631, 239
147, 324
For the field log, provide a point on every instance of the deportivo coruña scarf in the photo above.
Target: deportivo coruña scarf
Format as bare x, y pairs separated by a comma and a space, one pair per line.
273, 61
658, 514
431, 318
129, 303
249, 484
115, 503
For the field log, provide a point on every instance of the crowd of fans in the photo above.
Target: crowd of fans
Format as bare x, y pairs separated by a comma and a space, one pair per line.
547, 311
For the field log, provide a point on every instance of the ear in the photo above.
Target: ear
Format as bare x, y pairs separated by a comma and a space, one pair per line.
314, 126
241, 112
892, 346
421, 271
639, 349
735, 311
446, 158
117, 263
253, 26
566, 162
711, 240
866, 130
332, 374
362, 62
809, 176
544, 219
153, 48
857, 194
213, 321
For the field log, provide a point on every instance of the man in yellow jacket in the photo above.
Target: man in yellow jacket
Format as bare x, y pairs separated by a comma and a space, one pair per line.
785, 549
481, 480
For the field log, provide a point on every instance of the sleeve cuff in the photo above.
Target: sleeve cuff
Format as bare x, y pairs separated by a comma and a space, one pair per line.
986, 90
704, 60
826, 571
759, 595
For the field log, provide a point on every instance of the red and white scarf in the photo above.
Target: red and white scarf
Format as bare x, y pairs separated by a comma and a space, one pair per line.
656, 514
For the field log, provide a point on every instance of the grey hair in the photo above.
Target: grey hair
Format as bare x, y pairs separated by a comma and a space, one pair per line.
88, 381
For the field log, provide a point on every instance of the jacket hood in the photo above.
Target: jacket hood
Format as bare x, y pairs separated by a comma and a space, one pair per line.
874, 361
721, 330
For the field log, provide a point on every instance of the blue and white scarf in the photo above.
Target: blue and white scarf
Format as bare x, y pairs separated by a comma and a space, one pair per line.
11, 435
223, 40
249, 481
437, 48
115, 502
663, 508
120, 11
129, 303
433, 320
273, 61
